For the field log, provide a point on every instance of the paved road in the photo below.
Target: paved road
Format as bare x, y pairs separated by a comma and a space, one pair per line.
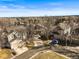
66, 52
30, 53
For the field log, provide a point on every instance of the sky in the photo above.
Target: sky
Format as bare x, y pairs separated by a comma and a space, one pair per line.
16, 8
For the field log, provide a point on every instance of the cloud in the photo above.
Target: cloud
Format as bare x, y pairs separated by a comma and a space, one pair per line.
17, 6
34, 12
12, 6
3, 6
55, 4
15, 10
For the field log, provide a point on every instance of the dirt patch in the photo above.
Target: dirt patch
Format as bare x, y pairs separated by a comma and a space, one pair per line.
48, 55
5, 54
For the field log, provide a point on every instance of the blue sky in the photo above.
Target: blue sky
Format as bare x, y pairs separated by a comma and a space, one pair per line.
12, 8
